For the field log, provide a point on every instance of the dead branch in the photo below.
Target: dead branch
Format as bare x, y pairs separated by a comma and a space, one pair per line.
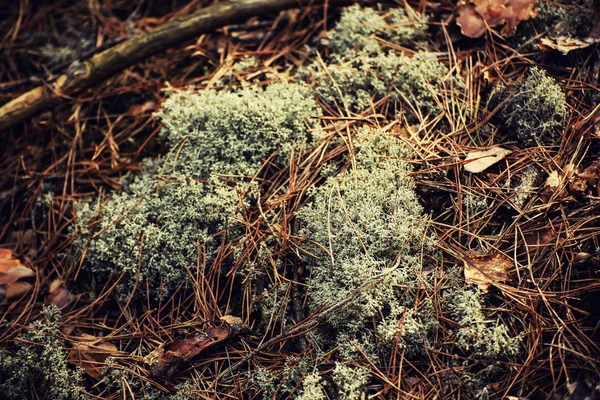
82, 75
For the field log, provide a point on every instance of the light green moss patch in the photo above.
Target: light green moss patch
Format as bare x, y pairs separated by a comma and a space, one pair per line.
534, 111
171, 218
39, 364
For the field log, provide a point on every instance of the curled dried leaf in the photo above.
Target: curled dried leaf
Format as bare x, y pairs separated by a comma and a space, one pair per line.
166, 360
479, 161
475, 17
17, 289
11, 269
59, 295
90, 354
487, 270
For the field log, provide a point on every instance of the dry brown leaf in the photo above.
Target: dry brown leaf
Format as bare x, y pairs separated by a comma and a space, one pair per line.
17, 289
487, 270
483, 159
565, 44
476, 16
166, 360
11, 269
90, 353
143, 108
59, 295
539, 238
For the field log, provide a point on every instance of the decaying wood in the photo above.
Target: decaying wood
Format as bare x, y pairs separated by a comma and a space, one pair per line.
81, 76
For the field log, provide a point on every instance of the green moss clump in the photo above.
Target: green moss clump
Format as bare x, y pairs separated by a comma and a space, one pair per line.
350, 380
39, 364
359, 224
232, 132
139, 388
312, 388
476, 336
534, 110
153, 231
172, 217
356, 84
360, 72
357, 28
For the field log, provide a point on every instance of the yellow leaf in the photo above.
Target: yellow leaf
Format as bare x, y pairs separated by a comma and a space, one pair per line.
478, 161
487, 270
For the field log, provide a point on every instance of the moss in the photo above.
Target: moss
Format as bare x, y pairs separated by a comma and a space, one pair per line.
350, 381
153, 232
357, 28
533, 111
285, 382
38, 367
138, 388
312, 388
526, 186
233, 132
359, 72
166, 221
477, 335
416, 82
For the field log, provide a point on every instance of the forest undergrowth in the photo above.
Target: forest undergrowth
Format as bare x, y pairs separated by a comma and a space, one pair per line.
384, 200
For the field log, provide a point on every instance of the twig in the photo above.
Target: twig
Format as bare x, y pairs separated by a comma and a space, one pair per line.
128, 53
308, 324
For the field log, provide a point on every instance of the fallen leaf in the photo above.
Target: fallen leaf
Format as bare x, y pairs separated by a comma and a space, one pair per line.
59, 295
539, 238
476, 16
11, 269
90, 353
487, 270
478, 161
231, 320
138, 109
565, 44
167, 359
17, 289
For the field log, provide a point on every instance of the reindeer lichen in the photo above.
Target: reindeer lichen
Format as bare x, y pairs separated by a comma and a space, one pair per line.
534, 110
39, 365
172, 217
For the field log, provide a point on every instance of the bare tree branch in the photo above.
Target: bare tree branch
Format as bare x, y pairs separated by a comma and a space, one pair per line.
82, 75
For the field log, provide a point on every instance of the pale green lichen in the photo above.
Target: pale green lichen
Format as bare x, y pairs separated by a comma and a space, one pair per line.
154, 232
350, 380
38, 366
359, 72
526, 186
171, 218
284, 382
416, 83
312, 388
357, 28
477, 335
233, 132
364, 223
120, 383
533, 111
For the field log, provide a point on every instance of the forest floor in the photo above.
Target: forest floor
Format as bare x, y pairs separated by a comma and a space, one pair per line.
520, 235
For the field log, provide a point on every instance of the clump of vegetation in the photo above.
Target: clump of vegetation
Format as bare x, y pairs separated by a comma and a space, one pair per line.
359, 72
39, 363
534, 110
232, 132
138, 388
357, 28
477, 335
171, 217
366, 222
312, 388
575, 19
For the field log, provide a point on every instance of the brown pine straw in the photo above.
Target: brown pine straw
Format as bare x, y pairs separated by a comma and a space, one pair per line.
82, 149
